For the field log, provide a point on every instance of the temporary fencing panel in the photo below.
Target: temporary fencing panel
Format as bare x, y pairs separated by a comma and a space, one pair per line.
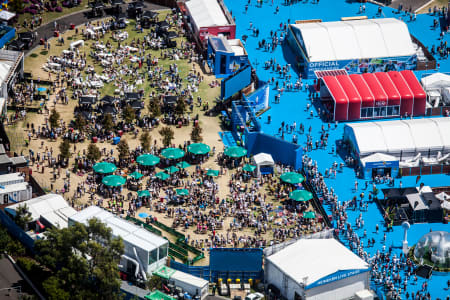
236, 82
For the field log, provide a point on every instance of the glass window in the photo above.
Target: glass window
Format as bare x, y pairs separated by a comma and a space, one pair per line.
390, 111
153, 256
363, 112
396, 110
383, 111
163, 251
370, 112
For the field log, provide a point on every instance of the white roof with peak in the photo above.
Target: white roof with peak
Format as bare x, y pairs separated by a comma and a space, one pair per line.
205, 13
355, 39
309, 260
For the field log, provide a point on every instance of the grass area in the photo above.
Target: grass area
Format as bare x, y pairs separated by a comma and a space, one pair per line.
16, 138
48, 16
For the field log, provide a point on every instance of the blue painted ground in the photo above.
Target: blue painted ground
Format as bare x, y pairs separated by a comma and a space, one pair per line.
293, 107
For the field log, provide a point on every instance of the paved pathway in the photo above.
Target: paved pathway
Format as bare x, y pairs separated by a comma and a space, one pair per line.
77, 18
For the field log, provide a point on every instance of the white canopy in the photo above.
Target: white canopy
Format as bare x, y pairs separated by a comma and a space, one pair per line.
409, 136
309, 260
262, 160
355, 39
6, 15
377, 157
443, 196
129, 232
435, 81
54, 208
205, 13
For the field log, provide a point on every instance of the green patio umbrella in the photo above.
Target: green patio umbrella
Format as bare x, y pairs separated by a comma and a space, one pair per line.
235, 151
136, 175
143, 193
249, 168
183, 165
172, 153
162, 175
148, 160
292, 177
114, 180
182, 192
309, 215
213, 173
104, 167
300, 195
199, 148
172, 169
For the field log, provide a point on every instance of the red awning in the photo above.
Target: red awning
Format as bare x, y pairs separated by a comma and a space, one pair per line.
420, 97
389, 88
406, 94
380, 95
339, 97
321, 74
363, 89
354, 99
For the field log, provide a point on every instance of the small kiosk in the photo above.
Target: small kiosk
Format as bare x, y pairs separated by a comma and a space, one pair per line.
264, 163
380, 164
226, 56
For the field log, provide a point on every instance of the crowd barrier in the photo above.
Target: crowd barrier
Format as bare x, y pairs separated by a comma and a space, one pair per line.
425, 170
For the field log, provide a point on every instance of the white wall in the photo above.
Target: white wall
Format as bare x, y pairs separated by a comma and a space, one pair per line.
285, 284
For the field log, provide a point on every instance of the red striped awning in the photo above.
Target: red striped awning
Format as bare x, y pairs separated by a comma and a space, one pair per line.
321, 74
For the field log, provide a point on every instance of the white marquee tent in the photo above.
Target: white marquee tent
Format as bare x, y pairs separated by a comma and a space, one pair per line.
356, 39
317, 269
408, 137
262, 160
435, 81
206, 13
53, 208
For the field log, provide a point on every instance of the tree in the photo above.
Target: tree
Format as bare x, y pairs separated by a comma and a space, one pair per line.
180, 107
10, 245
154, 107
124, 149
167, 135
80, 123
93, 152
84, 261
128, 114
54, 118
196, 134
64, 149
23, 216
16, 6
146, 141
108, 123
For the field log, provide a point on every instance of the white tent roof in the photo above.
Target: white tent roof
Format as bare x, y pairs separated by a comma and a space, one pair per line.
435, 81
443, 196
12, 177
409, 136
129, 232
356, 39
377, 157
263, 159
205, 13
188, 278
416, 202
16, 187
314, 259
54, 208
6, 15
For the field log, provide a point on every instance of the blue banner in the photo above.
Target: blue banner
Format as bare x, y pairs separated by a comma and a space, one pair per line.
335, 277
382, 164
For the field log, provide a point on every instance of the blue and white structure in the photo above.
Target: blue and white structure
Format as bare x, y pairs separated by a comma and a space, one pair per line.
317, 269
226, 56
357, 46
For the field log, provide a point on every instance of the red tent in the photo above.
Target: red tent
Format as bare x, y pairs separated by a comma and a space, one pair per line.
420, 97
380, 95
407, 97
354, 99
339, 97
389, 88
367, 97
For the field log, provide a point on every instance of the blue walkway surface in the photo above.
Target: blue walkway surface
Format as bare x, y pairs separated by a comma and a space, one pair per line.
293, 108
